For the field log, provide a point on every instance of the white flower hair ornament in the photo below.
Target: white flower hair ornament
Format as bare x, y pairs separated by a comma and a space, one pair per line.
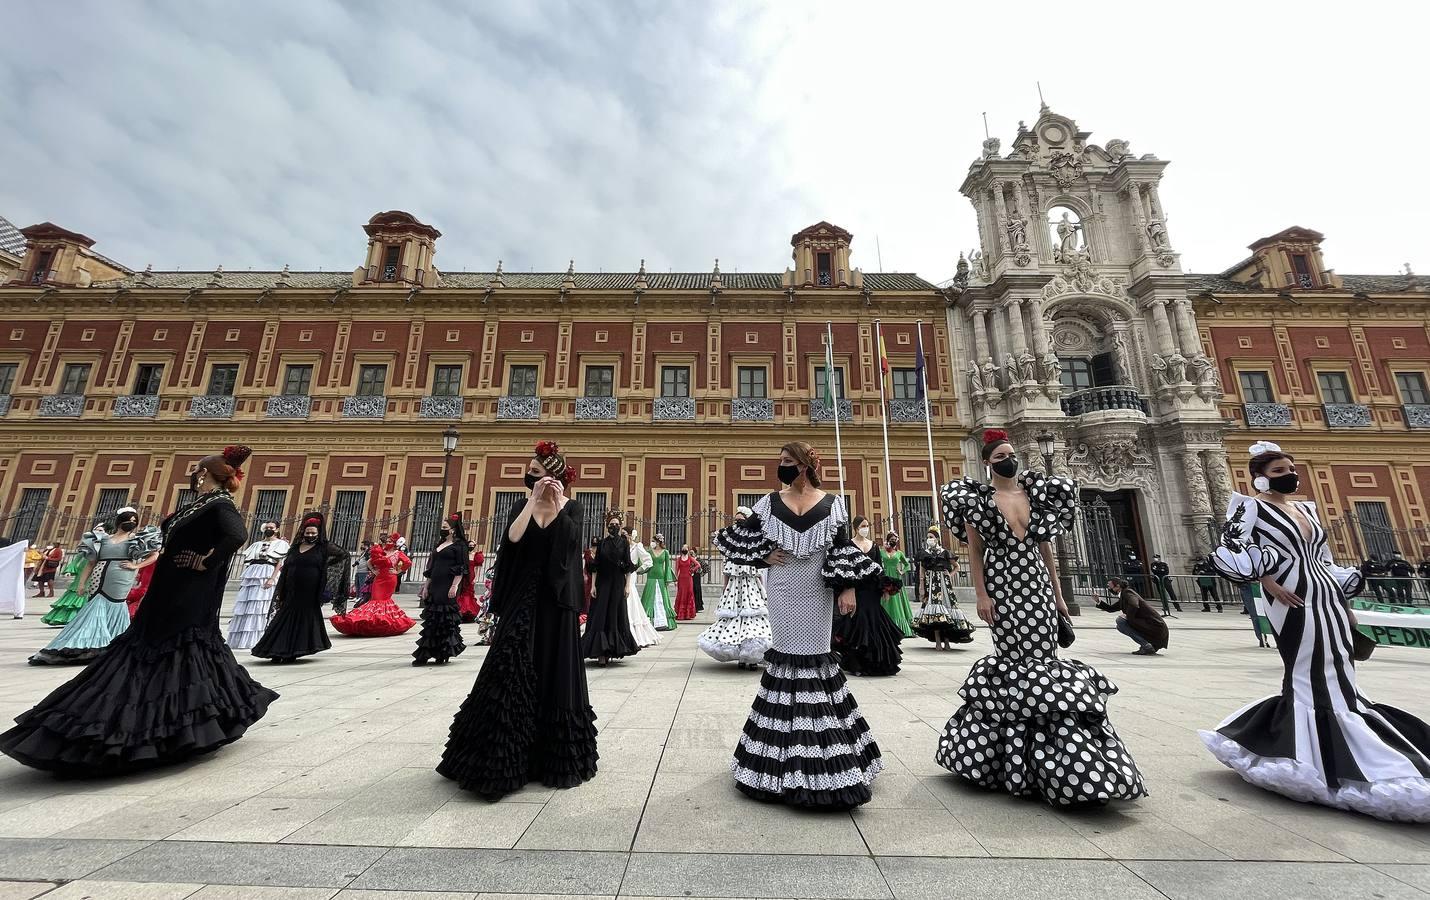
1261, 482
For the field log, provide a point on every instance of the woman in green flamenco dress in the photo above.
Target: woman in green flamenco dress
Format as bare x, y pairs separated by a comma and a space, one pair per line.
72, 600
657, 598
896, 596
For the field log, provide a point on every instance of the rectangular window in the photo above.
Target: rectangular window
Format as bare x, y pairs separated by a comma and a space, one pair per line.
1304, 276
1374, 521
746, 500
223, 379
42, 267
1335, 387
600, 381
918, 515
523, 381
752, 382
345, 525
390, 258
502, 505
671, 520
1077, 374
1411, 384
1104, 371
1256, 387
906, 383
110, 499
8, 372
593, 510
33, 504
674, 381
821, 391
269, 507
824, 269
186, 496
372, 381
147, 379
297, 381
427, 515
75, 378
447, 381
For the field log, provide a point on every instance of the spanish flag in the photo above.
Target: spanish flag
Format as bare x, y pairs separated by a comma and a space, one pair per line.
883, 355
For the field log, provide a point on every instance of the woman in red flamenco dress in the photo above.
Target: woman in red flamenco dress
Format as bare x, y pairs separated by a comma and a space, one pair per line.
380, 616
467, 600
141, 587
686, 565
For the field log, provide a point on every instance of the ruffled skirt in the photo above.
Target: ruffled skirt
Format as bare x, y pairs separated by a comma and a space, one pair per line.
250, 611
741, 630
868, 640
896, 604
296, 630
441, 636
375, 618
65, 608
87, 634
1037, 726
938, 620
642, 631
608, 633
805, 742
138, 706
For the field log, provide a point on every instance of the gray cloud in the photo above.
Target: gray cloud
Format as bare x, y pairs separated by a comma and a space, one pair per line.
191, 134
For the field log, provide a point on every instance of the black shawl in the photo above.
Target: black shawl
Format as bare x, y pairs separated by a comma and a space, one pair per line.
560, 574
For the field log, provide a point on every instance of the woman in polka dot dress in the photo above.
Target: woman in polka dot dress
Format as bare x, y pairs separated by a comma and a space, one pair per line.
1031, 723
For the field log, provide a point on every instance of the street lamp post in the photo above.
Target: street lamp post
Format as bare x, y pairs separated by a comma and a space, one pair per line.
449, 446
1046, 441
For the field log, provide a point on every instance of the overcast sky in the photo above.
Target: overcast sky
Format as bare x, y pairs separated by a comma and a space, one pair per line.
189, 134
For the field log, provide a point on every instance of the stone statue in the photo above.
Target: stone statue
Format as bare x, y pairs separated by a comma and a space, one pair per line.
1052, 369
1157, 234
1010, 370
1203, 370
980, 266
991, 148
960, 275
1067, 239
1118, 148
1027, 367
975, 379
1171, 369
1017, 233
1123, 356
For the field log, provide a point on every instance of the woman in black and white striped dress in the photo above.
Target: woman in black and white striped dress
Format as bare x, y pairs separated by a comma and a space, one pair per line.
1319, 740
805, 742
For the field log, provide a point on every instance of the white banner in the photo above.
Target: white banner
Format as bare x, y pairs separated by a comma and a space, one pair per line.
12, 578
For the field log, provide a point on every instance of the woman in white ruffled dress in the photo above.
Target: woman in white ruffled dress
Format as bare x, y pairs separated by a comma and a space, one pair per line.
1319, 740
641, 628
741, 630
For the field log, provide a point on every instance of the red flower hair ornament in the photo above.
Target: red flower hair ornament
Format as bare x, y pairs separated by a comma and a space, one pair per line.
994, 435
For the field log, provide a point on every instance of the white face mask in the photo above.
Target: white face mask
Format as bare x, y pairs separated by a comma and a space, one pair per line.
931, 543
863, 531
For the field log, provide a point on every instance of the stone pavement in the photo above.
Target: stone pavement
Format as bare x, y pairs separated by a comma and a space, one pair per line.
332, 795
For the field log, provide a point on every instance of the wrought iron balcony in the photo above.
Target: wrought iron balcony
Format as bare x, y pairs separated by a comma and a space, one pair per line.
595, 409
442, 408
673, 409
752, 409
43, 276
4, 404
363, 407
211, 406
518, 407
1303, 280
136, 406
1266, 415
1346, 415
906, 410
62, 406
289, 406
394, 274
819, 411
1417, 415
1102, 399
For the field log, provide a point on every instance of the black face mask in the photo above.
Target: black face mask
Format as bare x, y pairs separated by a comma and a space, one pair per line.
310, 538
446, 535
1285, 484
531, 480
1006, 467
613, 530
787, 474
269, 532
128, 524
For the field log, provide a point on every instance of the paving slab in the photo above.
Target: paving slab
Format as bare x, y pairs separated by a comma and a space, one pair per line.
510, 871
23, 890
87, 889
1184, 880
58, 859
1013, 879
283, 865
753, 876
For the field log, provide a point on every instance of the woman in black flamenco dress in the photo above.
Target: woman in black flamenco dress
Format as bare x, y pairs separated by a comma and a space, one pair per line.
867, 640
447, 573
168, 688
529, 717
315, 572
608, 623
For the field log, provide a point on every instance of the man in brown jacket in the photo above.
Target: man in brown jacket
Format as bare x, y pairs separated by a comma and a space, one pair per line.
1139, 620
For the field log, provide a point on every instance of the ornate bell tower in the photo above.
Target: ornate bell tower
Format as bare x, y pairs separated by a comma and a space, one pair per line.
399, 252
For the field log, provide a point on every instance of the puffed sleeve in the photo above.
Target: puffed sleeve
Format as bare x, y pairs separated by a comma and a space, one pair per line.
145, 541
1052, 503
1238, 558
89, 545
845, 565
745, 543
956, 499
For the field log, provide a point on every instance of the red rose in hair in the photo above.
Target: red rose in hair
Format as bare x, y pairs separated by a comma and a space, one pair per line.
994, 434
546, 448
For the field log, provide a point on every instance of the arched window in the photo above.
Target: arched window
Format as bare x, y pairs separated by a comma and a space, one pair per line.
1065, 231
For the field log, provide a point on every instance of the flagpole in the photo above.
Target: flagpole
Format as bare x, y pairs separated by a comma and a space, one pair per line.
884, 420
928, 422
831, 390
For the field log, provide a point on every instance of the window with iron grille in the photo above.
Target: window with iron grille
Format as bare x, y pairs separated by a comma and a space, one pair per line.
917, 515
1076, 373
345, 525
372, 381
821, 390
269, 507
223, 379
747, 500
8, 372
186, 496
1411, 384
427, 515
753, 382
147, 379
1375, 528
501, 509
523, 381
600, 381
1256, 387
390, 258
75, 378
447, 381
1335, 387
110, 499
674, 381
42, 267
906, 383
297, 381
672, 519
33, 503
593, 514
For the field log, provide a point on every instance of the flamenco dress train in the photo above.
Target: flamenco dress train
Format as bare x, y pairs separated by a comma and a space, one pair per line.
1319, 740
380, 616
529, 716
939, 616
168, 688
867, 640
1032, 723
